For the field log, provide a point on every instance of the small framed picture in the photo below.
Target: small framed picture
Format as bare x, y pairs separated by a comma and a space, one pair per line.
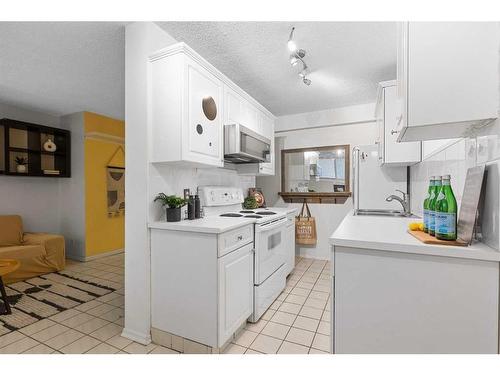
258, 195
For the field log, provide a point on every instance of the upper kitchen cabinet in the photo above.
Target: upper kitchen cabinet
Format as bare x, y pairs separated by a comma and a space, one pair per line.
447, 78
185, 103
390, 151
239, 110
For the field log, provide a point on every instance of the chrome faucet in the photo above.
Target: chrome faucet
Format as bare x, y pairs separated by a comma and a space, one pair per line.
405, 202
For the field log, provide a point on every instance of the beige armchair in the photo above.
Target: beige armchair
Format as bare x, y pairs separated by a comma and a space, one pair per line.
38, 253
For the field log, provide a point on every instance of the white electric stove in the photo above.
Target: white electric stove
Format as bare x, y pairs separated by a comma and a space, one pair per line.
269, 242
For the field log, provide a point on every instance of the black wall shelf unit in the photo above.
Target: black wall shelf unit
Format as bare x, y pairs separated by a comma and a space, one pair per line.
26, 140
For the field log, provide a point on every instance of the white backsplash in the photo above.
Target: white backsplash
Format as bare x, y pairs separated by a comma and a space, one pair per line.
174, 179
455, 159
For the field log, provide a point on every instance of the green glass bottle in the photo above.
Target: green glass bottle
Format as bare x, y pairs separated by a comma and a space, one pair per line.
446, 212
426, 204
432, 205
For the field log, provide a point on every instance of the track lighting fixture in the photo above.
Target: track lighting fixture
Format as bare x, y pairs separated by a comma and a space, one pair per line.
297, 55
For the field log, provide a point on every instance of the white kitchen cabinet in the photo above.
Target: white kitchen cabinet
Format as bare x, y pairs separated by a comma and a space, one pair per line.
390, 151
235, 290
185, 109
448, 78
394, 302
241, 111
201, 283
233, 107
290, 243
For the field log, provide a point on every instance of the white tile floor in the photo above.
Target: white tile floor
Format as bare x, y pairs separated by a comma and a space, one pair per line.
297, 322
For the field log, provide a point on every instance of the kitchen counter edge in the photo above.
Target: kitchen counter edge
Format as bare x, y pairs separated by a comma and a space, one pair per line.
390, 234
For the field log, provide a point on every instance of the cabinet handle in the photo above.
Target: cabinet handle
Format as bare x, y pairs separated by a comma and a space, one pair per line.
394, 132
240, 238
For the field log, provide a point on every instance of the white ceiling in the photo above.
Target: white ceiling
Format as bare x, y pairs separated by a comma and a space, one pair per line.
347, 59
62, 68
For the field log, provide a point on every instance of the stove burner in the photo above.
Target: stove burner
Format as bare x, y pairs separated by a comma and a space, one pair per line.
266, 213
231, 215
254, 216
247, 212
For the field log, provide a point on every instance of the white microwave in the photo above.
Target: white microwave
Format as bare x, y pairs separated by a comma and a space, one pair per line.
242, 145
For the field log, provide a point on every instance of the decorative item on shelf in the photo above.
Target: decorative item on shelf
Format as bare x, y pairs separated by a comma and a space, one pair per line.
250, 203
54, 172
49, 145
258, 195
305, 227
173, 203
338, 188
21, 163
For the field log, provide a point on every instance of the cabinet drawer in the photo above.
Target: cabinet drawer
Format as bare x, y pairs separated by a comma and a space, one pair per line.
234, 239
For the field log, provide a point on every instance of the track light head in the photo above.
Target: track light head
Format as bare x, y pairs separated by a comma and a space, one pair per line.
292, 46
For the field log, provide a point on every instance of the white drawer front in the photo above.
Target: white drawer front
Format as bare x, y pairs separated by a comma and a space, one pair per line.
234, 239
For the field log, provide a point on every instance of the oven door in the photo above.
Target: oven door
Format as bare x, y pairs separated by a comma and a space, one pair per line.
270, 239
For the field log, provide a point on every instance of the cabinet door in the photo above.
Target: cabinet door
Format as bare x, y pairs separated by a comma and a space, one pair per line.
402, 75
204, 115
233, 107
235, 290
290, 244
394, 152
452, 72
380, 129
250, 116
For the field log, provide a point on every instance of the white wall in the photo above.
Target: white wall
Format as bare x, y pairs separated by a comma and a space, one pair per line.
144, 181
141, 39
72, 191
455, 159
328, 216
36, 199
354, 114
173, 180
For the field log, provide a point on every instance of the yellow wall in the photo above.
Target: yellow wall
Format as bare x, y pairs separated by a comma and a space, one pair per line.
103, 232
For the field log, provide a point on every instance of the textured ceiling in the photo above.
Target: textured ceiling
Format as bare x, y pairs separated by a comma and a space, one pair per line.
62, 68
347, 59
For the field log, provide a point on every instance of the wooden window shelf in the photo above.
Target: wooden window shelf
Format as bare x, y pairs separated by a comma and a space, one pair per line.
325, 198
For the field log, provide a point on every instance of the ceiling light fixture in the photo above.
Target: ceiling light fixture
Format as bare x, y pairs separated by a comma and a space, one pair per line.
297, 55
292, 47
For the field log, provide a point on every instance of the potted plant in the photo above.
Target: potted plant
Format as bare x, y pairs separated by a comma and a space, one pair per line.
173, 203
21, 163
250, 203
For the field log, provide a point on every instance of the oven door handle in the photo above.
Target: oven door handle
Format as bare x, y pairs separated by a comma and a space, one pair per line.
266, 228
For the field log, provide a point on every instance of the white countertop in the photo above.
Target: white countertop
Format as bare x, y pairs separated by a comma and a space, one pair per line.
212, 224
390, 234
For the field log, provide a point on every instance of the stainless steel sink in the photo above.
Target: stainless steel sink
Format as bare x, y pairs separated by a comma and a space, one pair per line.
393, 213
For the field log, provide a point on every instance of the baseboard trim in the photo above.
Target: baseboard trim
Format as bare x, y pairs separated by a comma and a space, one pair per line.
103, 255
144, 339
93, 257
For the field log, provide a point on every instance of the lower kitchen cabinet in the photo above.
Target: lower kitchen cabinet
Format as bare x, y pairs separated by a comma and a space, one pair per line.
394, 302
235, 290
200, 291
290, 243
